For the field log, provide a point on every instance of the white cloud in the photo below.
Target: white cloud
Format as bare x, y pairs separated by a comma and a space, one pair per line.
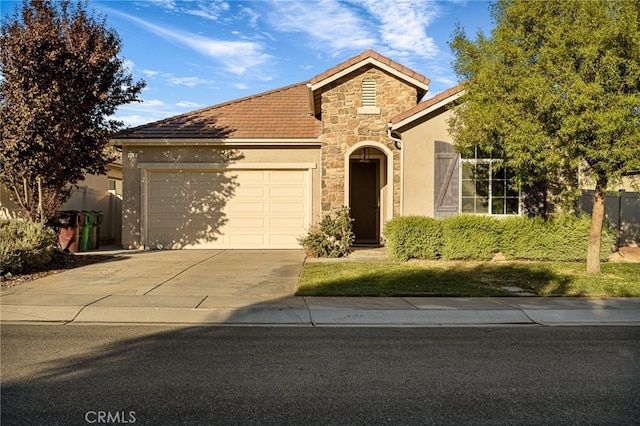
150, 73
236, 56
402, 25
167, 4
152, 103
172, 79
128, 65
132, 120
250, 15
394, 27
328, 23
449, 81
188, 104
187, 81
207, 9
135, 114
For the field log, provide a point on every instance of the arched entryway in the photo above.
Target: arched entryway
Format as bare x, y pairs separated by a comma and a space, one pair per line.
368, 179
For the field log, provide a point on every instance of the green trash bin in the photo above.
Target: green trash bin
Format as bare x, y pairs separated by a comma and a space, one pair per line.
87, 228
95, 231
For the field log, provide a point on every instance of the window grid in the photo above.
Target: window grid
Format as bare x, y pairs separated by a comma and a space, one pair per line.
485, 188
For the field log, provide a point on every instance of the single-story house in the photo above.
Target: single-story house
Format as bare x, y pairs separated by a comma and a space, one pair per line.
257, 172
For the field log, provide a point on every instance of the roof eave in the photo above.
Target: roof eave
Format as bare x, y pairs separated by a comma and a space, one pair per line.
215, 142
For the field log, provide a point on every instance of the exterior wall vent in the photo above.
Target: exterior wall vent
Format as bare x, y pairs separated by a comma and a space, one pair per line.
369, 97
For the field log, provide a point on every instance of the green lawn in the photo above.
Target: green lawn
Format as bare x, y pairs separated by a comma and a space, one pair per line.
442, 278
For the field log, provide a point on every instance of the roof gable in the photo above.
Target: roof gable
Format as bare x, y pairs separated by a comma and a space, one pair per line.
371, 57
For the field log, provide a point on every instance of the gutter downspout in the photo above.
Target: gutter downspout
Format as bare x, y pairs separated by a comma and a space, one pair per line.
398, 144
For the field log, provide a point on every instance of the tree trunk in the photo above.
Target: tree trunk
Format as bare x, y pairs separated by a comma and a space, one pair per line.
41, 217
595, 233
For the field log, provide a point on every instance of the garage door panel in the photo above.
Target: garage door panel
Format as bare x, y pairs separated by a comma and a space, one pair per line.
158, 177
238, 207
167, 208
287, 192
207, 177
287, 208
285, 223
284, 176
203, 194
283, 240
166, 191
251, 176
249, 191
247, 240
247, 223
198, 209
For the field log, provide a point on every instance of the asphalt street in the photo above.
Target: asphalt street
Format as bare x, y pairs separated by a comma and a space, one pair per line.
149, 375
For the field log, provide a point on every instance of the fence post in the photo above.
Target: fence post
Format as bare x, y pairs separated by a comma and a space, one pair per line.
621, 195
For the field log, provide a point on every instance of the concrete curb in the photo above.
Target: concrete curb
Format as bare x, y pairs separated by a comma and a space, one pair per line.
329, 312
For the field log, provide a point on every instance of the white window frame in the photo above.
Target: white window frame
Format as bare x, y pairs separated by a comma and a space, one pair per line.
490, 162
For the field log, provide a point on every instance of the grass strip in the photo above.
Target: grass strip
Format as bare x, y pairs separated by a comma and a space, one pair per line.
466, 279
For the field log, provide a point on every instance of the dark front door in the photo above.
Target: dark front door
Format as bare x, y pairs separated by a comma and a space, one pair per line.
364, 200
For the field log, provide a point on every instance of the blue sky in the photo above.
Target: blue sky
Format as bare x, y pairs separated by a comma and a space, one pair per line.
199, 53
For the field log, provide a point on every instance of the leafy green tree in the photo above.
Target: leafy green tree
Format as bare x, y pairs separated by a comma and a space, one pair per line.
555, 89
62, 80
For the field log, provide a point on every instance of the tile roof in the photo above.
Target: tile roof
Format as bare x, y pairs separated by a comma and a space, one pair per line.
373, 55
284, 113
422, 106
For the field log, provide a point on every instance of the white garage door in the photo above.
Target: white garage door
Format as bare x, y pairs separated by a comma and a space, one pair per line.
232, 209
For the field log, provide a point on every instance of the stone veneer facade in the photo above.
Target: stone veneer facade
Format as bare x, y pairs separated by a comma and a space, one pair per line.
343, 127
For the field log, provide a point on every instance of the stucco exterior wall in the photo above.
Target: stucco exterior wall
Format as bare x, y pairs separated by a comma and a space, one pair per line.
418, 143
134, 158
343, 127
8, 208
629, 184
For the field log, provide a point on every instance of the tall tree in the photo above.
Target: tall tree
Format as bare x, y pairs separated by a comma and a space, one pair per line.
556, 90
62, 80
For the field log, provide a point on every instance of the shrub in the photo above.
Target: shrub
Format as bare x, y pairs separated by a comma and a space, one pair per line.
416, 237
470, 237
560, 238
332, 237
24, 244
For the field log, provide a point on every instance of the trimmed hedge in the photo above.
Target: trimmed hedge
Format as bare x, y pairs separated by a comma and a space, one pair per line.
417, 237
24, 244
470, 237
561, 238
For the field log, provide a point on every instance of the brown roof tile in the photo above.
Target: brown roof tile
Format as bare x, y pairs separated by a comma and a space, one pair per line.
283, 113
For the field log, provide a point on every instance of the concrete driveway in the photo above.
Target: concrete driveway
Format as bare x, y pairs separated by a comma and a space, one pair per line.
256, 273
206, 279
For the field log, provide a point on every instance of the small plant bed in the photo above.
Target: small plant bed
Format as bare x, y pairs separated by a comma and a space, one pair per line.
60, 262
467, 279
